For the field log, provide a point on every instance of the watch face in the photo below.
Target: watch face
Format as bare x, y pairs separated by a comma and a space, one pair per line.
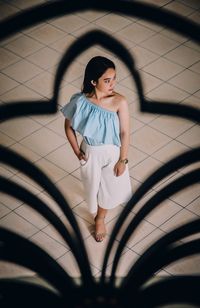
125, 161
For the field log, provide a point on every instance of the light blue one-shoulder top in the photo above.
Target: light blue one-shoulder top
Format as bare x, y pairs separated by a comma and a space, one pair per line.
96, 124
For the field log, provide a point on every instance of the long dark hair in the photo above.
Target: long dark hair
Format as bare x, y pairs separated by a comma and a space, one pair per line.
95, 68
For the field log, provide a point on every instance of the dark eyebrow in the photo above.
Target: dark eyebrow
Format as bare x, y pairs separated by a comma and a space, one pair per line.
108, 78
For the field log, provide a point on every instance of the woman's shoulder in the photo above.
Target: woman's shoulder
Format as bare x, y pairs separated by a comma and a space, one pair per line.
119, 99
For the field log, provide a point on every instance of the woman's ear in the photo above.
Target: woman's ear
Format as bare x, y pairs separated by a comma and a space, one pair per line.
93, 83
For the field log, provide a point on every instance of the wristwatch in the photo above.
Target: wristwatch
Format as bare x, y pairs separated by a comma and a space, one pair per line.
124, 161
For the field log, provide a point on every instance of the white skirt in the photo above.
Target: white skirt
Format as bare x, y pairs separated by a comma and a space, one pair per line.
101, 185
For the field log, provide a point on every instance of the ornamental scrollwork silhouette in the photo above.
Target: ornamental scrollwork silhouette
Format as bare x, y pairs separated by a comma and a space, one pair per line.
134, 290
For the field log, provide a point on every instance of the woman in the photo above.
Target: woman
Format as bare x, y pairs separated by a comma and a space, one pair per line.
101, 116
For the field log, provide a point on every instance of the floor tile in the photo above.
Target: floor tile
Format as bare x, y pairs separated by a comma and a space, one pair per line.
45, 119
19, 128
77, 174
135, 125
20, 93
190, 137
7, 10
64, 158
163, 212
149, 240
3, 210
141, 232
192, 3
125, 263
25, 152
85, 29
5, 173
9, 201
6, 83
172, 149
172, 127
163, 69
17, 224
135, 156
21, 4
9, 270
53, 233
57, 126
144, 117
135, 184
47, 34
44, 58
186, 195
22, 71
112, 22
174, 35
148, 140
96, 251
62, 44
129, 95
136, 33
53, 248
159, 44
24, 46
69, 23
65, 94
182, 9
74, 71
149, 82
27, 183
192, 100
122, 70
151, 25
70, 265
194, 206
31, 216
193, 45
187, 266
183, 55
91, 15
142, 56
177, 220
9, 39
43, 141
186, 80
144, 169
42, 84
195, 67
51, 170
166, 92
5, 140
7, 58
51, 203
128, 43
71, 189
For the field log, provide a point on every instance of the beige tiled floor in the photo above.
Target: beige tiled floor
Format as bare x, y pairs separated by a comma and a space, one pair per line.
169, 65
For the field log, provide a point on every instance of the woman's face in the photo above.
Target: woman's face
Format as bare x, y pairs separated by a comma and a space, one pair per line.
107, 81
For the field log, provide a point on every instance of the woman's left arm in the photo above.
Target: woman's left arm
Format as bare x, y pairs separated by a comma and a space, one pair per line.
123, 113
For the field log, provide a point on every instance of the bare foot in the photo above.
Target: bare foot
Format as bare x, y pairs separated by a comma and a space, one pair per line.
100, 229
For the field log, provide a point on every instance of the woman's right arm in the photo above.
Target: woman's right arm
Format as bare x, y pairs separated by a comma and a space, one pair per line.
71, 136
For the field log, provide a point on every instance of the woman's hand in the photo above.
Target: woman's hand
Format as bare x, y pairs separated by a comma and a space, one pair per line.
119, 168
81, 155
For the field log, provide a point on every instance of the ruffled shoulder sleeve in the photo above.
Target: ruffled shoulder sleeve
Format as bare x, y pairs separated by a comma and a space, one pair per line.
70, 108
